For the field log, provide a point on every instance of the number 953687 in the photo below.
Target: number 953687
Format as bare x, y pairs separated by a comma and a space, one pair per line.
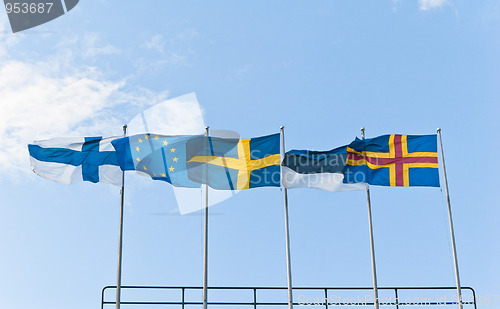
28, 8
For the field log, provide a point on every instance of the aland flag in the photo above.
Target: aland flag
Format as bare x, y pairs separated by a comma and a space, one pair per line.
394, 160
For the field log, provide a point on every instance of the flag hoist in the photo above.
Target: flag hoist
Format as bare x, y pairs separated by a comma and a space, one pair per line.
450, 218
372, 244
205, 248
120, 237
287, 232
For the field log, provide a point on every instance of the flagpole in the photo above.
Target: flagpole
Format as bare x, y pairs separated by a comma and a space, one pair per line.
452, 231
287, 232
372, 243
120, 237
205, 255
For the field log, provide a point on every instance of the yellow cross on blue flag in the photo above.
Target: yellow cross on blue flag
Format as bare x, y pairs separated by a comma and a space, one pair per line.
192, 160
234, 164
394, 160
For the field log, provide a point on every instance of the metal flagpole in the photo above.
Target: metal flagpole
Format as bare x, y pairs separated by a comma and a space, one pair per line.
372, 244
287, 232
452, 231
120, 237
205, 255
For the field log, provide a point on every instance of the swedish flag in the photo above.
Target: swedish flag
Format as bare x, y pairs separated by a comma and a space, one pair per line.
234, 164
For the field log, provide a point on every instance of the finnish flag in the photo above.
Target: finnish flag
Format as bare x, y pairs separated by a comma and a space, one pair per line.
73, 160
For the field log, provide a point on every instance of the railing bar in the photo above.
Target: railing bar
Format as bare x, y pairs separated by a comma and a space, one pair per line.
183, 299
474, 297
284, 288
280, 303
102, 297
255, 289
255, 298
397, 298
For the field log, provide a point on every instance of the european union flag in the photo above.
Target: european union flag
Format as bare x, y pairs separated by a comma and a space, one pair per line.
393, 160
234, 164
159, 156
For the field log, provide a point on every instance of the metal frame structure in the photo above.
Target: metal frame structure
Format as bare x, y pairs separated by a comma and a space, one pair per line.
325, 290
182, 302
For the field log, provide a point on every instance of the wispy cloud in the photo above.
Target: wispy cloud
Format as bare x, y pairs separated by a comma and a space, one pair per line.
426, 5
59, 95
395, 5
156, 42
6, 40
88, 46
65, 92
91, 48
41, 101
174, 51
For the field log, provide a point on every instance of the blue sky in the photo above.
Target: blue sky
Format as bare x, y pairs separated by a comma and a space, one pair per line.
323, 69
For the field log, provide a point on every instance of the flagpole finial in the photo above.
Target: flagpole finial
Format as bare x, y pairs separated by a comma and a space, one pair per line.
125, 129
282, 127
439, 130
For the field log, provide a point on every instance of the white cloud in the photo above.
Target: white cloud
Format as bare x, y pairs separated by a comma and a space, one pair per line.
395, 5
7, 39
426, 5
46, 99
156, 42
87, 46
90, 47
37, 103
59, 95
174, 51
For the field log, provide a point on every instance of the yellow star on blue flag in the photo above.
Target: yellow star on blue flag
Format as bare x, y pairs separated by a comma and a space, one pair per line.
149, 154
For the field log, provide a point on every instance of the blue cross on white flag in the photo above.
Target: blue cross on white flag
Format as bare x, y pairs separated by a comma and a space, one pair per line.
72, 160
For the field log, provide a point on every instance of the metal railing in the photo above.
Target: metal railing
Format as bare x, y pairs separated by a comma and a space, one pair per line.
258, 297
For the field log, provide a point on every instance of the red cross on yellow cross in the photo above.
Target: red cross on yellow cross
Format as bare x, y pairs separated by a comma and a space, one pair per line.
398, 160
